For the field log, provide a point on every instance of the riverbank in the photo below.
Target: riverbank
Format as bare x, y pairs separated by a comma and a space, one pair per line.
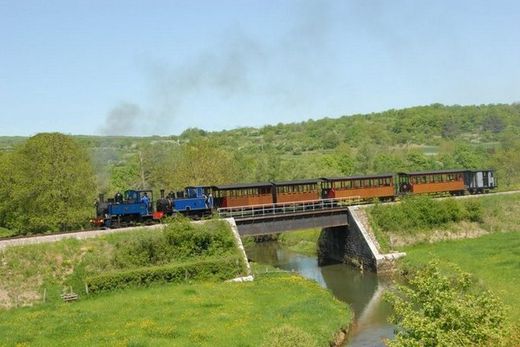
180, 251
205, 314
158, 287
425, 220
493, 259
301, 241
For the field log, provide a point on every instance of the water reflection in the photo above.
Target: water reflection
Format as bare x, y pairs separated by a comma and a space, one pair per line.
362, 291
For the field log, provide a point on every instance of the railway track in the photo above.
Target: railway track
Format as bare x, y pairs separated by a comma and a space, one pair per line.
89, 233
79, 234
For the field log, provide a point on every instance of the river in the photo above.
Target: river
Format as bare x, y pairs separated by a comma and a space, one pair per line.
362, 291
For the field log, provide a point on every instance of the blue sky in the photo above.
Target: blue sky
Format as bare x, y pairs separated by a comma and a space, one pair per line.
159, 67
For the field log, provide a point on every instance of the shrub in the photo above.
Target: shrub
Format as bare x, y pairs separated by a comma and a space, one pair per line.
177, 242
424, 213
439, 310
473, 210
223, 268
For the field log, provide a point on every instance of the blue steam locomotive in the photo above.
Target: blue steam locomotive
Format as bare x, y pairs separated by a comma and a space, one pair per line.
137, 206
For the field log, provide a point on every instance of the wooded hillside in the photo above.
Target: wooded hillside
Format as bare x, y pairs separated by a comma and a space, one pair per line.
417, 138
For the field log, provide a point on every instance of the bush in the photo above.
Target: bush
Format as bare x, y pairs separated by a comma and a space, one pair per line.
439, 310
223, 268
177, 242
473, 210
425, 213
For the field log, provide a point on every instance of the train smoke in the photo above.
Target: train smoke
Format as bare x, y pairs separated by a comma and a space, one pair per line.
236, 66
122, 119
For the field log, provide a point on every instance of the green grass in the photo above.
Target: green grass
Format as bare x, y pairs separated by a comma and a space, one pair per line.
27, 271
493, 259
501, 212
6, 232
423, 219
303, 241
200, 314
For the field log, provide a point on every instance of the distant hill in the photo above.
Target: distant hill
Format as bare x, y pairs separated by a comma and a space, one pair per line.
423, 137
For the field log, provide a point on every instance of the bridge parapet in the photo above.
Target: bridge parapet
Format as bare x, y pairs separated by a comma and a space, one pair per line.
287, 208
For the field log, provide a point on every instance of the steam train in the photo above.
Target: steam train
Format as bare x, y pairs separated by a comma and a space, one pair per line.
137, 206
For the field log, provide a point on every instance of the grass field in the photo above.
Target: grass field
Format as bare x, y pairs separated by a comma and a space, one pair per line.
201, 314
493, 259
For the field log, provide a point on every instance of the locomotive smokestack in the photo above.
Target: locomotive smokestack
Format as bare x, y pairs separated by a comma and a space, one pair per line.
162, 193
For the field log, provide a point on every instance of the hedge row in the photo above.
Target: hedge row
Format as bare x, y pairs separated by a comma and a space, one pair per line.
425, 213
179, 241
223, 268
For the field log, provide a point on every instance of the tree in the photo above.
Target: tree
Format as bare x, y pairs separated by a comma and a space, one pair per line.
199, 162
440, 310
418, 161
51, 185
493, 123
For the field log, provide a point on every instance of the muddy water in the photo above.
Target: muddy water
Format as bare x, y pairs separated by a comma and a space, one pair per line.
362, 291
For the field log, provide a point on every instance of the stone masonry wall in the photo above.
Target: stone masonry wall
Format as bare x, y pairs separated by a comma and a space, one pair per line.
354, 244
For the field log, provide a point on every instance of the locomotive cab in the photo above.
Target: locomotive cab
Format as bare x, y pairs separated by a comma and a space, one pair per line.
194, 201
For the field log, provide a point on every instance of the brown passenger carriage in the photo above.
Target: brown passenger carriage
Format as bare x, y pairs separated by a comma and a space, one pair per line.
363, 187
294, 191
424, 182
245, 194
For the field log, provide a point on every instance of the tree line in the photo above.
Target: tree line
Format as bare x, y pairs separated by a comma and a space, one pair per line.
49, 182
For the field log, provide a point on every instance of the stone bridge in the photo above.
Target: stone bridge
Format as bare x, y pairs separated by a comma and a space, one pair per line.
345, 235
